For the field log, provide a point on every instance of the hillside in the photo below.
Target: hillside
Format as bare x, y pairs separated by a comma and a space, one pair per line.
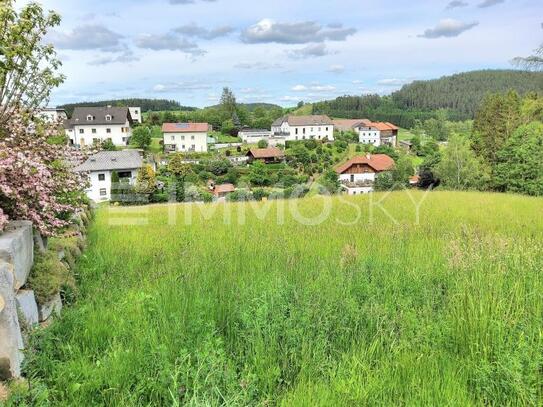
145, 105
222, 308
463, 92
459, 94
252, 106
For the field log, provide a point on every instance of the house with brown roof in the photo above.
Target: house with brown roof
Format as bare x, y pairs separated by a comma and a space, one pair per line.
221, 190
345, 125
358, 174
267, 155
292, 128
185, 137
377, 133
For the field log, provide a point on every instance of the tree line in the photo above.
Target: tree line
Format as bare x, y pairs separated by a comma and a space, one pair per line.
459, 96
146, 105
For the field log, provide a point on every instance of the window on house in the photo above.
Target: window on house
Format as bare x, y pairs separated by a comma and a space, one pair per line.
182, 137
193, 147
136, 112
103, 191
93, 131
101, 177
192, 137
352, 177
95, 140
296, 132
327, 129
125, 174
90, 118
183, 147
124, 139
320, 129
173, 138
108, 131
303, 130
108, 117
81, 131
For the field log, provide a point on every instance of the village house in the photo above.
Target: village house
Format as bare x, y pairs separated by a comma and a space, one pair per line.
292, 128
52, 114
253, 136
377, 133
135, 112
100, 166
267, 155
185, 137
357, 175
93, 125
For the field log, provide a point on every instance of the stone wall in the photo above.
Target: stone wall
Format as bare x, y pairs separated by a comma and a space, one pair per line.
19, 310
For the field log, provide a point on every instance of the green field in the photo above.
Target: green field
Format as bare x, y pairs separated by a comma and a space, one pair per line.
382, 311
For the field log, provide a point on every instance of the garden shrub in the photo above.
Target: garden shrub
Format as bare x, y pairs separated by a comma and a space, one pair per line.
49, 276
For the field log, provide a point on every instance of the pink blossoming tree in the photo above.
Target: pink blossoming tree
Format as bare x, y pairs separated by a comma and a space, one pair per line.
36, 180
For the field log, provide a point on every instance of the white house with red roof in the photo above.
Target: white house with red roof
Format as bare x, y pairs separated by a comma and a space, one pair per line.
185, 137
377, 133
358, 174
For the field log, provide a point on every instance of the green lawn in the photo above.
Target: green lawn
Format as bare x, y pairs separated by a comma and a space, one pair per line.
348, 312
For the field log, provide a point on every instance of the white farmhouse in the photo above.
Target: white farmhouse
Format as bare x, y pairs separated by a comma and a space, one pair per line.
358, 174
253, 136
185, 137
91, 125
294, 128
100, 166
135, 112
52, 114
377, 133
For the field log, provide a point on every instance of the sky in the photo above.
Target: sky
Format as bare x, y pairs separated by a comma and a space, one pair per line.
280, 51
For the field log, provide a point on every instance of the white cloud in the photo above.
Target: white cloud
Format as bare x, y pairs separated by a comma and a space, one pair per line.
266, 31
311, 51
169, 42
313, 88
86, 37
490, 3
448, 28
337, 68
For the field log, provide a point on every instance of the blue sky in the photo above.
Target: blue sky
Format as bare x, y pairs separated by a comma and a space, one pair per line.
280, 51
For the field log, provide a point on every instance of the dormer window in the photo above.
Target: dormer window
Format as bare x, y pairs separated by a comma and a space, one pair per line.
109, 117
90, 118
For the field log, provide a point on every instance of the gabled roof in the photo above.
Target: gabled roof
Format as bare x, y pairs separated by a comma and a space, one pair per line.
185, 128
346, 124
118, 115
112, 160
379, 162
312, 120
223, 189
269, 152
378, 125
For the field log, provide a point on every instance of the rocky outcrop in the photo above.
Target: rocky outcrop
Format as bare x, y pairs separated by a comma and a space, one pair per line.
11, 339
17, 249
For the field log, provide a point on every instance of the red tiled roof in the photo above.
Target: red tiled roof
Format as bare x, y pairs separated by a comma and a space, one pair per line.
379, 162
269, 152
379, 125
185, 128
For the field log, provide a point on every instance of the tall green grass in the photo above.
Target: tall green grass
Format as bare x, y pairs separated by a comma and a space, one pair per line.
445, 312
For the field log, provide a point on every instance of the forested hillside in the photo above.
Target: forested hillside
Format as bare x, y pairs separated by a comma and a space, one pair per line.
463, 93
459, 95
145, 104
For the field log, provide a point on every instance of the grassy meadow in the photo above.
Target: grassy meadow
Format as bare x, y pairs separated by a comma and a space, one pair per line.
248, 307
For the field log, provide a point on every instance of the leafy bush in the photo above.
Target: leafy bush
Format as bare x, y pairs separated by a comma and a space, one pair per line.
49, 276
